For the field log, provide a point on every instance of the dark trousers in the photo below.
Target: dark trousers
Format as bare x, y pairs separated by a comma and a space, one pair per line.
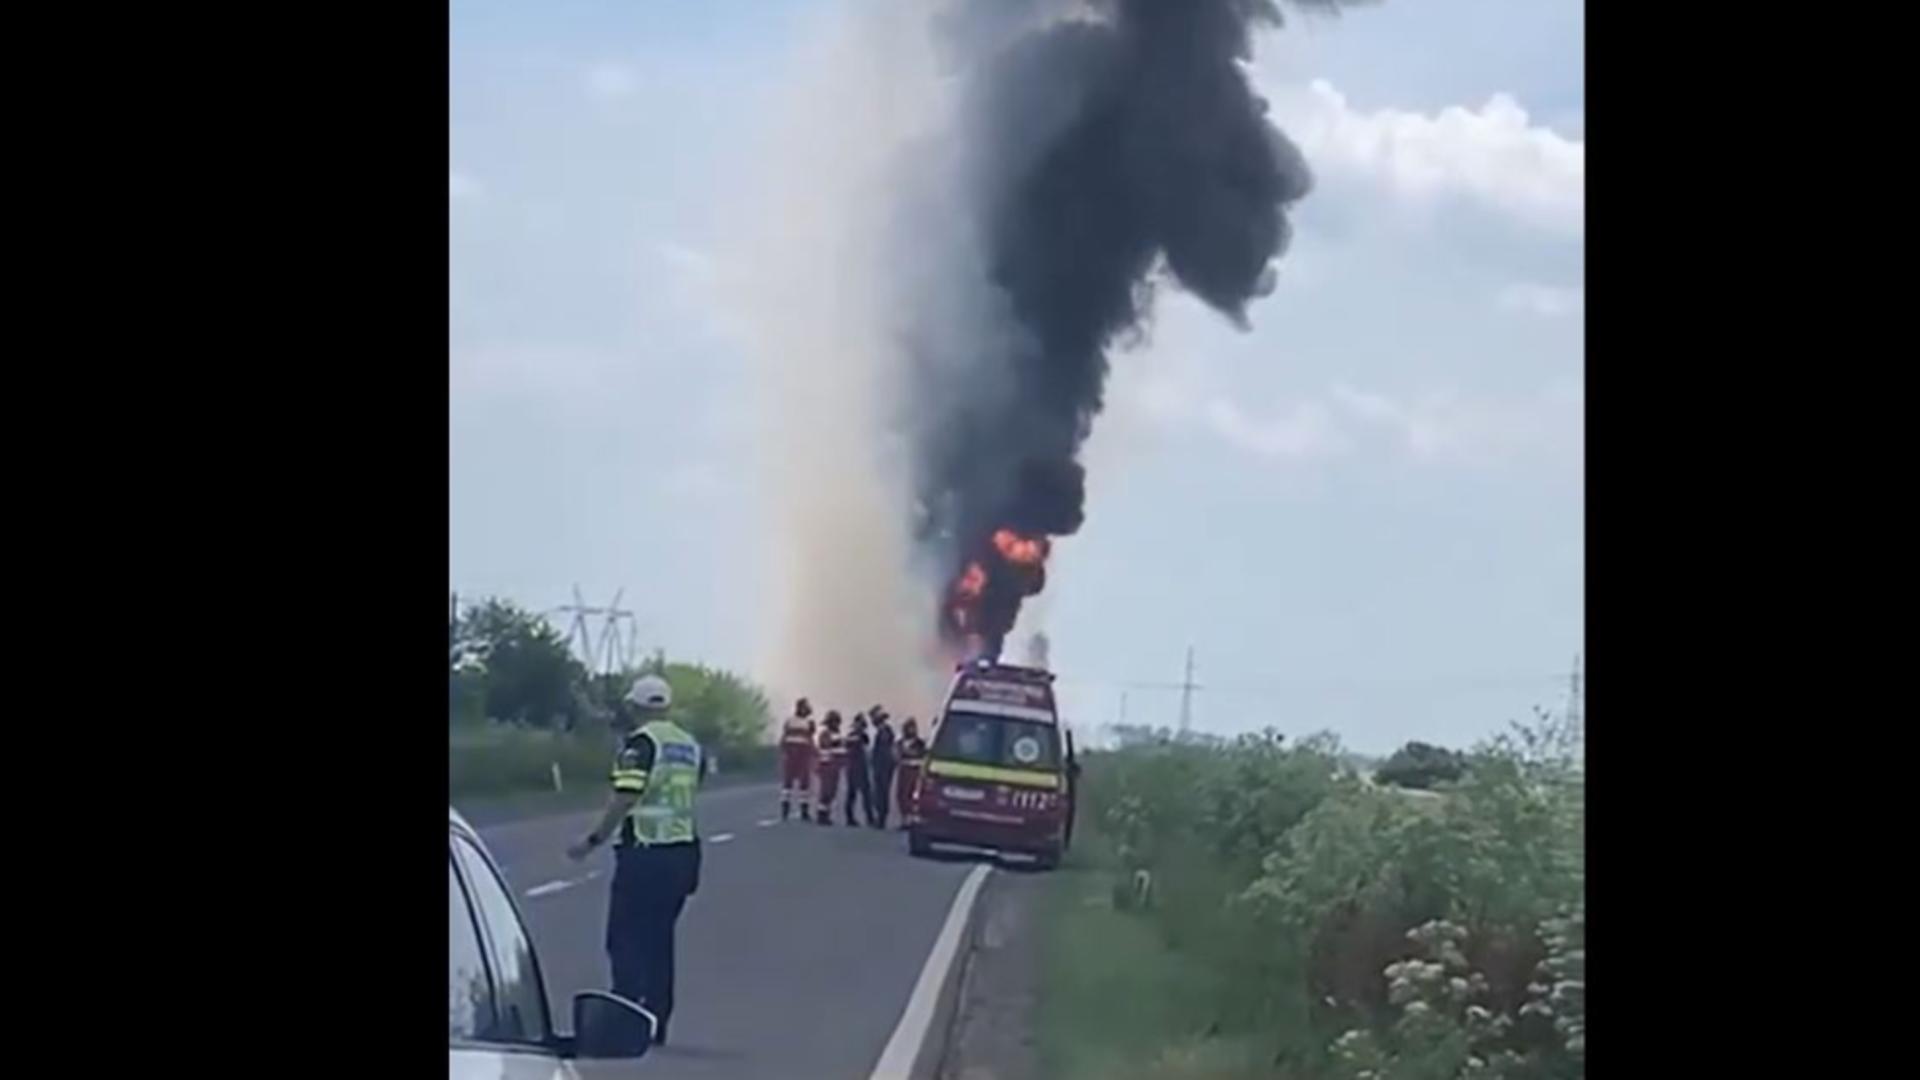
882, 792
650, 887
860, 785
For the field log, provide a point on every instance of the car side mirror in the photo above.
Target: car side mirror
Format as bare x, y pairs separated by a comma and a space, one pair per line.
608, 1026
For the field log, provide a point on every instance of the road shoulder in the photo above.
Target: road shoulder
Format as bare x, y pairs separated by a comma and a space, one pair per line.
993, 1031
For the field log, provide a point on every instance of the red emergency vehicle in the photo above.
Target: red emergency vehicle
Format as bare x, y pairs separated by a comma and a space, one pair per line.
1000, 771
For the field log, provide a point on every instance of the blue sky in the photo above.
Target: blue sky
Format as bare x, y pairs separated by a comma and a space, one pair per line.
1376, 494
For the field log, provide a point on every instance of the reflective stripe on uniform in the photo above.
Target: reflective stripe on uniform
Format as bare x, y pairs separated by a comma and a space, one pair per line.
961, 770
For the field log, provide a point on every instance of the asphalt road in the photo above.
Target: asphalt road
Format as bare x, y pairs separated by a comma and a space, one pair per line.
795, 958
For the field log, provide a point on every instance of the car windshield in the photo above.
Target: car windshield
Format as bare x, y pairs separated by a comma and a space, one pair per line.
997, 740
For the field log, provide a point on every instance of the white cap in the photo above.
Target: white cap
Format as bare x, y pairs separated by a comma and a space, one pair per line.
651, 692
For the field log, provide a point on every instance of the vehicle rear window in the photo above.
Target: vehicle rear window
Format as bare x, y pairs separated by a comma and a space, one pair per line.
520, 997
996, 740
469, 989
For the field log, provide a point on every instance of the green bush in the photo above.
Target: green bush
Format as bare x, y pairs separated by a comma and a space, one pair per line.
1421, 766
721, 709
497, 760
466, 698
501, 759
728, 713
1363, 932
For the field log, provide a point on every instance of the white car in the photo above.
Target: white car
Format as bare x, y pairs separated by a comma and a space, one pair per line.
498, 1026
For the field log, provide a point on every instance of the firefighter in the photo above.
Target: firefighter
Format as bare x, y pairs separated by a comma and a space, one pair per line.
859, 774
796, 761
831, 752
883, 763
913, 757
656, 845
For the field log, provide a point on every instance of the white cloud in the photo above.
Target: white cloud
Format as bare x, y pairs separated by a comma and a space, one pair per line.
1366, 406
1438, 428
1546, 301
462, 187
1306, 430
1495, 155
609, 82
1449, 428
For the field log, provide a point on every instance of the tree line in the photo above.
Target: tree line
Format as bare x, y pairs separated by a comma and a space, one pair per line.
1418, 765
509, 666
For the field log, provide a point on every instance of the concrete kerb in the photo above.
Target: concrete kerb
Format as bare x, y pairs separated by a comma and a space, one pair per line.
934, 1052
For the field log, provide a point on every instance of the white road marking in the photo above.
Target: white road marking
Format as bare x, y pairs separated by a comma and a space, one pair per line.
551, 887
896, 1061
720, 838
766, 823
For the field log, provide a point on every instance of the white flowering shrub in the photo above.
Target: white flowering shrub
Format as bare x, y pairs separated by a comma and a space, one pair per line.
1559, 994
1442, 1031
1445, 1030
1360, 933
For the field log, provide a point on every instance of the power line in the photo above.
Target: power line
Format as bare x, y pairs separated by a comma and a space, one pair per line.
1186, 695
1469, 682
613, 646
1573, 696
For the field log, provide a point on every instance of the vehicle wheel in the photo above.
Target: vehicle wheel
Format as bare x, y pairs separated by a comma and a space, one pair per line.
917, 844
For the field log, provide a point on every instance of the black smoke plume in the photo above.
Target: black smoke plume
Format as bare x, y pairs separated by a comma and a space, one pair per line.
1100, 155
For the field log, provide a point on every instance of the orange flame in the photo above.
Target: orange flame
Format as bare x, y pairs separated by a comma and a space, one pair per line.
969, 621
1020, 550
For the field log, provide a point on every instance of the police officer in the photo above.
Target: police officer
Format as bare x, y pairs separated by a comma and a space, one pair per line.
649, 819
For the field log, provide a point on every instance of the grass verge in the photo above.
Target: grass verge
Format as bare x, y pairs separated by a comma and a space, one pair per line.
501, 773
500, 761
1117, 1002
1303, 925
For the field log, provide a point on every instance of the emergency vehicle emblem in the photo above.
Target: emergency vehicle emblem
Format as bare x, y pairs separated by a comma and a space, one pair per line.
1026, 749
